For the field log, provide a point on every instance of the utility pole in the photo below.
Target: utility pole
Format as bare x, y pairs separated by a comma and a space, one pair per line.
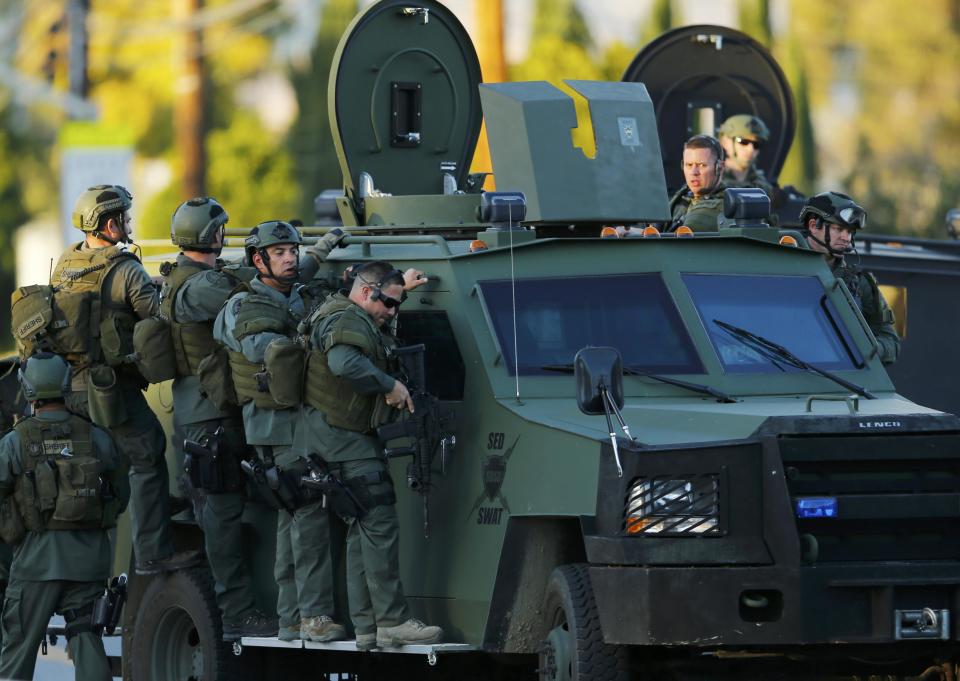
189, 109
493, 65
79, 82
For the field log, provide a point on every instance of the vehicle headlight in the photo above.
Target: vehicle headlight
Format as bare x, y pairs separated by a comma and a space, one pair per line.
673, 505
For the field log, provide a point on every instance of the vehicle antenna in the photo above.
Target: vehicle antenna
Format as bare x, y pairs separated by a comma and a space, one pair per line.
513, 295
50, 276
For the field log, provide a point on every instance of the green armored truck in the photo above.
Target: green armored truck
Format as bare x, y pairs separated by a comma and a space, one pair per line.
667, 457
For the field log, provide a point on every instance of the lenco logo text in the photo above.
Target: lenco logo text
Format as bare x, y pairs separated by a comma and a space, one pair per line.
879, 424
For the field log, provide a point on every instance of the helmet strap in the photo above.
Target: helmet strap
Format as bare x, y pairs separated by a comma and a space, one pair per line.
283, 281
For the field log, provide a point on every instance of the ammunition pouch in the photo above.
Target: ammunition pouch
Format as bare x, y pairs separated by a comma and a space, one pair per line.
284, 363
251, 382
116, 338
212, 467
281, 488
107, 406
153, 349
216, 379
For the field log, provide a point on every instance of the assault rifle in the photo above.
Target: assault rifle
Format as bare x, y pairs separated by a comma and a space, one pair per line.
424, 427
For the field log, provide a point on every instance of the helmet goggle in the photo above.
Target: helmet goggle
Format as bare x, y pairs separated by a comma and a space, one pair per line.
853, 216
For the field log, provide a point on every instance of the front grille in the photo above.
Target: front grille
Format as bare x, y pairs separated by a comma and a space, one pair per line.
674, 505
898, 497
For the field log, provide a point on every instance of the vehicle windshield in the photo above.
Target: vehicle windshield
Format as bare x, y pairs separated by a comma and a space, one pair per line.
792, 311
556, 317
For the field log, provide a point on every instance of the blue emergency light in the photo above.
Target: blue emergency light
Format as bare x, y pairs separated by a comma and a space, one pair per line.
817, 507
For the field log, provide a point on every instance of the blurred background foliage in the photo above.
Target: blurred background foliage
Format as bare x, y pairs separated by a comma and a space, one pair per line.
876, 85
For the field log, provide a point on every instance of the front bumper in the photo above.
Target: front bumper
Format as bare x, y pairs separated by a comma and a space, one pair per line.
837, 604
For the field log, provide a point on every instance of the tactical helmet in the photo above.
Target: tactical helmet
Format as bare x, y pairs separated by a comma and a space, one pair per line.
196, 222
835, 208
97, 201
745, 125
271, 233
44, 376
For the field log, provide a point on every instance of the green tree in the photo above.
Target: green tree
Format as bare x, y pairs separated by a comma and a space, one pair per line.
754, 20
800, 168
661, 20
559, 47
309, 139
563, 19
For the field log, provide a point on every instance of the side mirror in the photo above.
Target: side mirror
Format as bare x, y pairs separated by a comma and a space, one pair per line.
595, 370
953, 223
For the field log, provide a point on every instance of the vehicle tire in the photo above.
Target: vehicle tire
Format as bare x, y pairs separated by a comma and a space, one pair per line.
177, 635
574, 649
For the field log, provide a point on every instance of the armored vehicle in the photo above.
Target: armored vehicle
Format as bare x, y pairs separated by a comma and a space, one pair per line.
675, 456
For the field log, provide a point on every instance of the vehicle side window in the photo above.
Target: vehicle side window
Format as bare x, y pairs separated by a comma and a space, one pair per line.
443, 362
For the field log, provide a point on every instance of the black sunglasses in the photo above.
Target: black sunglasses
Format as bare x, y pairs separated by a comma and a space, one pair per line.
748, 143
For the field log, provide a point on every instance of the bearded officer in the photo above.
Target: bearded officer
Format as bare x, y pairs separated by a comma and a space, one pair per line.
63, 560
105, 290
251, 322
831, 220
350, 346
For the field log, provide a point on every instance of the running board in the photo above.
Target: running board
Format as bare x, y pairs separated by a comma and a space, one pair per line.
431, 650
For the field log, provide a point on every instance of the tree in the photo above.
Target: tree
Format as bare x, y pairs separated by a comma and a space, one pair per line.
309, 140
660, 21
800, 168
755, 20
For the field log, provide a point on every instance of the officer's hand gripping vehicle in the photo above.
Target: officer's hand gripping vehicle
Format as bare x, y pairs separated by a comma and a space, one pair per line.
773, 508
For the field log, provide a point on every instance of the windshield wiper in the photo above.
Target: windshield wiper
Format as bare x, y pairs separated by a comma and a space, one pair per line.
631, 371
774, 352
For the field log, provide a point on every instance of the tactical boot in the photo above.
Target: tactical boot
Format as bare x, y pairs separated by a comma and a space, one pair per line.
176, 561
411, 632
321, 629
256, 624
366, 641
289, 632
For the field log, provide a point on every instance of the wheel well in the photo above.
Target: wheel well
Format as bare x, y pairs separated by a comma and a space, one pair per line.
532, 549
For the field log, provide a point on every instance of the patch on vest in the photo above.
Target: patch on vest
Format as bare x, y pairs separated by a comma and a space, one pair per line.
56, 447
24, 329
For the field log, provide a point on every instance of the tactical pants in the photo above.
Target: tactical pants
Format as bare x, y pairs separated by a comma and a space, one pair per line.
26, 612
303, 568
222, 526
141, 439
373, 558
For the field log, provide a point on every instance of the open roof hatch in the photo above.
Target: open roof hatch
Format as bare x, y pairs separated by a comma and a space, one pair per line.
403, 99
698, 76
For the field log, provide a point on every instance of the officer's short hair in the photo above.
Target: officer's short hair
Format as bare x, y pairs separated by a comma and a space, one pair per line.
706, 142
378, 273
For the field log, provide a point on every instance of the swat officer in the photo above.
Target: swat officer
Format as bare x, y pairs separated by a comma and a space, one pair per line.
742, 137
831, 220
699, 203
103, 291
348, 384
258, 319
68, 483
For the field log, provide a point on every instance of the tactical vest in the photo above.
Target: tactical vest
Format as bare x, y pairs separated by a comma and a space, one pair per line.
63, 485
330, 394
258, 313
193, 341
89, 329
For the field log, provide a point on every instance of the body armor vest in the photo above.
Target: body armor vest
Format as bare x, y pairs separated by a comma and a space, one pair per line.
330, 394
88, 329
258, 314
192, 341
63, 484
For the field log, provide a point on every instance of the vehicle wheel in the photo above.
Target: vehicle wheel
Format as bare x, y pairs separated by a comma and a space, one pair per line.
574, 649
177, 632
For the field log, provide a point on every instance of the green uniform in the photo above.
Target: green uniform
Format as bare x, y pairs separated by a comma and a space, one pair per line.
863, 286
61, 570
354, 353
698, 213
303, 568
192, 297
127, 294
755, 177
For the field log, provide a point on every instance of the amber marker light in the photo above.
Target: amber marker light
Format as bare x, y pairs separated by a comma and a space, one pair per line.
787, 240
684, 231
477, 245
650, 230
609, 233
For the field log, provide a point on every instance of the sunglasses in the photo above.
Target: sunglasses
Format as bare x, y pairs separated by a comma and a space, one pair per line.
391, 303
743, 141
